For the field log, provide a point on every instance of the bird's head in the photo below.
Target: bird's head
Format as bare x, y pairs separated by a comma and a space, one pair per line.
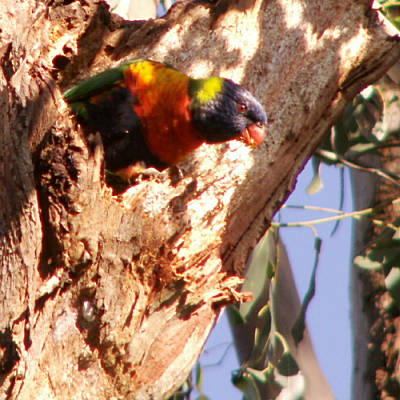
223, 110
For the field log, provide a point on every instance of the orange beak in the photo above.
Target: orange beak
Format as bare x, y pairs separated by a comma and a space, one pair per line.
253, 135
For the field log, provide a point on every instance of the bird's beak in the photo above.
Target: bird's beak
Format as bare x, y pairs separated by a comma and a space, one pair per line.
253, 135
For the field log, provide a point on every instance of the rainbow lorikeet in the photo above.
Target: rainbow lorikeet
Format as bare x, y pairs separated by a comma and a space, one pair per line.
151, 115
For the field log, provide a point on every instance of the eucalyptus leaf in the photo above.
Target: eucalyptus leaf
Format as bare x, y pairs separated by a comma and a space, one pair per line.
203, 397
287, 365
235, 316
246, 383
271, 269
392, 282
340, 134
259, 272
300, 325
262, 333
362, 148
316, 184
392, 12
259, 375
199, 376
365, 262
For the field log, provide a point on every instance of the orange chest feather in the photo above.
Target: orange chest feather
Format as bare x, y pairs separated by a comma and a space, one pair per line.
163, 107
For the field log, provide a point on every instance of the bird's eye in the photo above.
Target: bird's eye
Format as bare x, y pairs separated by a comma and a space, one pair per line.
242, 108
260, 124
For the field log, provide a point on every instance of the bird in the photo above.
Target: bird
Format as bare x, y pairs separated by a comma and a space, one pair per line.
150, 115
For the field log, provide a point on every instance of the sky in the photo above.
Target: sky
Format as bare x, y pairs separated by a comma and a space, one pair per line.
328, 315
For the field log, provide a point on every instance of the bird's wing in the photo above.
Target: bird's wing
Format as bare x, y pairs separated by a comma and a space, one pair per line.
97, 84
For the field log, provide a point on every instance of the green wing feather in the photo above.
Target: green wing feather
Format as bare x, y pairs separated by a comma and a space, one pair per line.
78, 95
97, 84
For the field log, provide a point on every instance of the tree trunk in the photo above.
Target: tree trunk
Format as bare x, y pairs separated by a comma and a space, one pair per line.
110, 296
376, 316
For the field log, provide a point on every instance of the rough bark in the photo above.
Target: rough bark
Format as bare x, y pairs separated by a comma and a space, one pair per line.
109, 296
376, 322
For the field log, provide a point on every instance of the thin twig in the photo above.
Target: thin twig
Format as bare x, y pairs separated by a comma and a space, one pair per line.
333, 157
376, 171
342, 215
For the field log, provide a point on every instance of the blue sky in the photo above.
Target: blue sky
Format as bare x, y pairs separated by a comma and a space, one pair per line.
328, 315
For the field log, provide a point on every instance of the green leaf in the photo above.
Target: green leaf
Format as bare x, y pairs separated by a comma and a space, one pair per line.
316, 184
361, 148
199, 376
283, 343
392, 282
391, 10
329, 157
261, 268
340, 134
341, 201
261, 336
235, 316
317, 245
384, 253
262, 332
260, 376
246, 383
299, 326
287, 365
365, 262
271, 269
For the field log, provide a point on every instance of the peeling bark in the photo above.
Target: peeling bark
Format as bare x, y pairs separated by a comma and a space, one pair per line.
114, 296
